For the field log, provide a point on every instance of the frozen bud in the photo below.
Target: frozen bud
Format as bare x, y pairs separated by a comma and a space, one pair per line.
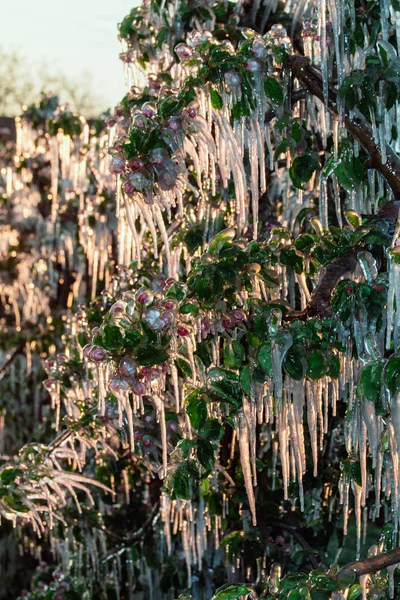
182, 331
117, 165
147, 441
171, 304
253, 65
50, 364
173, 426
50, 384
110, 122
167, 175
170, 281
192, 112
118, 308
135, 164
148, 109
61, 358
153, 321
183, 51
128, 188
154, 374
144, 296
205, 326
167, 319
175, 123
127, 367
138, 436
232, 79
259, 48
139, 181
148, 418
58, 576
228, 323
117, 385
86, 350
98, 354
140, 121
159, 156
237, 315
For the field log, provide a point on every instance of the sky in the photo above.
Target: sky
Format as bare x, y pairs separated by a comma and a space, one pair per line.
72, 35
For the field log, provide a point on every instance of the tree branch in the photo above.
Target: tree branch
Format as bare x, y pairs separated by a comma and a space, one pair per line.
311, 79
373, 564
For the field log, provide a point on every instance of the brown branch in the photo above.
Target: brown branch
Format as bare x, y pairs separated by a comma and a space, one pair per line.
319, 303
311, 79
371, 565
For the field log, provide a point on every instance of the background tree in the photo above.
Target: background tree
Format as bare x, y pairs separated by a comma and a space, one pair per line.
21, 84
228, 407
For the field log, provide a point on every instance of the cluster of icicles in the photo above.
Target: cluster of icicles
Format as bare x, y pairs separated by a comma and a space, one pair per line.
53, 172
240, 151
220, 150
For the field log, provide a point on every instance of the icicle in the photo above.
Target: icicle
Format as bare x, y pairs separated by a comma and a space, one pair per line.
159, 404
312, 416
186, 548
243, 436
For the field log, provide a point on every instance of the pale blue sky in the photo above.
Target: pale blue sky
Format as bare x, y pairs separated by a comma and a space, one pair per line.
73, 35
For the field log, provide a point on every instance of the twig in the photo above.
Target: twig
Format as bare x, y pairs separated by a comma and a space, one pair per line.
137, 536
297, 536
373, 564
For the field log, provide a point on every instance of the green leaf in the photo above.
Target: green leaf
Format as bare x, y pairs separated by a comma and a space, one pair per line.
305, 242
212, 430
392, 374
273, 90
151, 355
221, 239
229, 391
353, 218
265, 358
302, 169
317, 365
233, 354
205, 454
9, 475
371, 381
245, 379
189, 308
112, 337
181, 483
216, 100
196, 409
290, 258
281, 148
294, 363
231, 592
185, 446
15, 504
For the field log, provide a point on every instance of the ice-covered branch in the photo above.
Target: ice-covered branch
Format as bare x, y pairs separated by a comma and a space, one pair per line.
311, 79
372, 564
